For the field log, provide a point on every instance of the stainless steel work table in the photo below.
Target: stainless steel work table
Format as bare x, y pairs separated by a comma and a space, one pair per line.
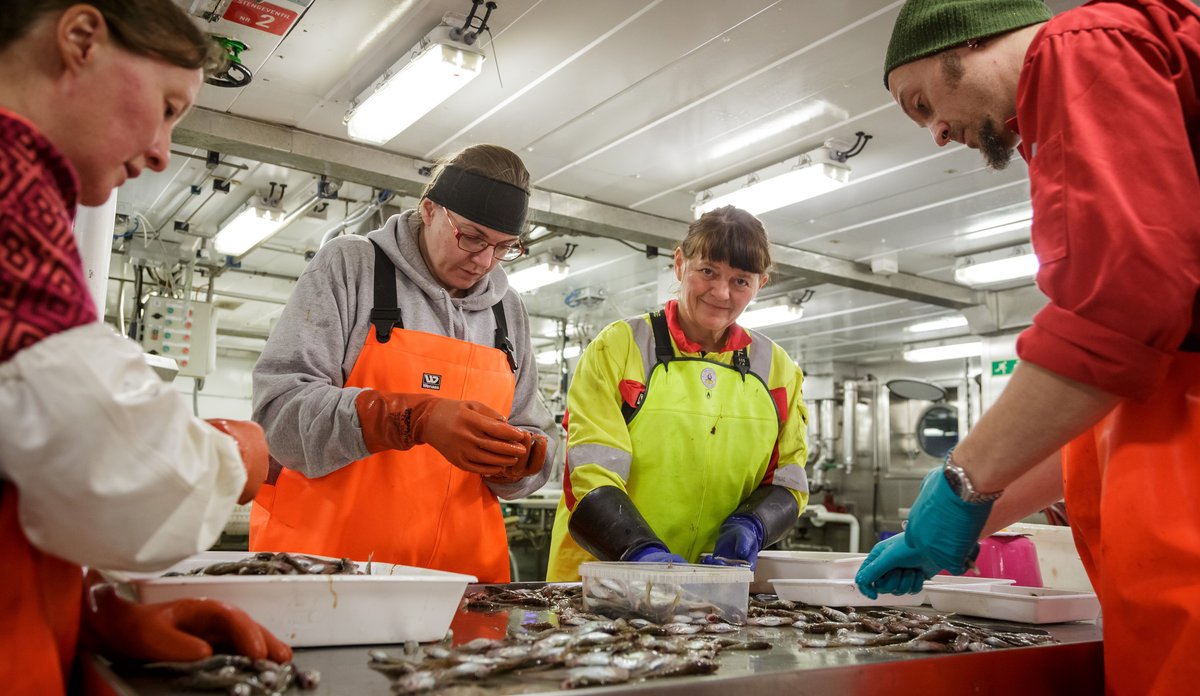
1074, 667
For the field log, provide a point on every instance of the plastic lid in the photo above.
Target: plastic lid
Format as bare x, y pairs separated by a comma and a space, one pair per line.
683, 573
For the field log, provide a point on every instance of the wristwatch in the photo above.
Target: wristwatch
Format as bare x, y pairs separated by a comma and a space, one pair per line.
960, 483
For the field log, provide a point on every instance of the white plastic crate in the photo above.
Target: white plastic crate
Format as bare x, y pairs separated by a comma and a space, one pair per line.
839, 593
803, 565
1034, 605
394, 604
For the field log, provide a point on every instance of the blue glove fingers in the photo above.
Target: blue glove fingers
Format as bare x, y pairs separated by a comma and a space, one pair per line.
911, 582
656, 554
888, 554
740, 538
709, 559
894, 567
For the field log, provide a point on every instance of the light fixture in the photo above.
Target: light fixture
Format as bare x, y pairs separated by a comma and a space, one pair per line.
998, 266
937, 324
545, 270
954, 351
1020, 219
435, 68
782, 313
262, 217
814, 173
765, 129
549, 357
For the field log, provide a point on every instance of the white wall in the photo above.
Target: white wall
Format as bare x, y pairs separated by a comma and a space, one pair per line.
226, 392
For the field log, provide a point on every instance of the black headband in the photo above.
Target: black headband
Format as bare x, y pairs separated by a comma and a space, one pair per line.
481, 199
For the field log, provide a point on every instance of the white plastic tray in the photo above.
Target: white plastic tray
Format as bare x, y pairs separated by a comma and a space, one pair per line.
803, 565
960, 580
394, 604
1034, 605
839, 593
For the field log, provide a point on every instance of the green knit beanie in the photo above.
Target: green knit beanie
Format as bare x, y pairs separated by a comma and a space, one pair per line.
926, 27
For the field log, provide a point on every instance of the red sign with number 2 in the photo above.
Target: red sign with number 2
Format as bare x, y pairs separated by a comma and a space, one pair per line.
261, 15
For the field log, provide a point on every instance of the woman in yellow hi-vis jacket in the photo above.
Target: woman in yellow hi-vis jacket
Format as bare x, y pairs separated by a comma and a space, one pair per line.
686, 432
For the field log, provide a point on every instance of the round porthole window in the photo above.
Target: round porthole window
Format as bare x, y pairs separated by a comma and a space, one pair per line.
937, 430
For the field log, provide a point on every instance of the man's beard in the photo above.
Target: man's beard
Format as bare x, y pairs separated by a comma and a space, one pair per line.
991, 144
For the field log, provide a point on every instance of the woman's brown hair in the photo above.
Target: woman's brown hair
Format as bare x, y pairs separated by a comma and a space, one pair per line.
155, 28
729, 235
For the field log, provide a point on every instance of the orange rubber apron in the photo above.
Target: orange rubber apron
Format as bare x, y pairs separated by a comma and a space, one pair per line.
409, 507
1133, 495
40, 600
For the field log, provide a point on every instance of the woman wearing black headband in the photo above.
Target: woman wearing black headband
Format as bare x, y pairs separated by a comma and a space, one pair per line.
399, 390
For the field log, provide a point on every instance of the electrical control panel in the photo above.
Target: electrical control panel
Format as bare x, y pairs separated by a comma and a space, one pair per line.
182, 330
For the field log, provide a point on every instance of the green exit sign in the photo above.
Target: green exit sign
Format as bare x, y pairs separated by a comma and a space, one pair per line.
1003, 367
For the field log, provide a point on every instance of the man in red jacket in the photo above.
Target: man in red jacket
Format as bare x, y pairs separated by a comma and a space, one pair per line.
1102, 102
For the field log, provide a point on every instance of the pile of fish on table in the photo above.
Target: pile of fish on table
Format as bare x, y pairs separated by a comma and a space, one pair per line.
268, 563
591, 649
237, 675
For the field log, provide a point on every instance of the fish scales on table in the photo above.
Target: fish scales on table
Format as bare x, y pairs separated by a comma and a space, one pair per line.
578, 647
239, 676
595, 651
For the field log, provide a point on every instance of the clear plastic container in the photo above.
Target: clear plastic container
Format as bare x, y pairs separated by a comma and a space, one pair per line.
803, 565
660, 592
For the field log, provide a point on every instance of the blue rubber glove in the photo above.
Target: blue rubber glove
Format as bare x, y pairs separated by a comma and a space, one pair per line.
655, 554
740, 539
942, 533
893, 567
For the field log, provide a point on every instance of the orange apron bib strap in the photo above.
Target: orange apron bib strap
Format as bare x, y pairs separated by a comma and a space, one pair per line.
411, 507
1132, 485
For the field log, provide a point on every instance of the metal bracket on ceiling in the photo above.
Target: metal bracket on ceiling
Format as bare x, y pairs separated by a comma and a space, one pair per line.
855, 149
468, 33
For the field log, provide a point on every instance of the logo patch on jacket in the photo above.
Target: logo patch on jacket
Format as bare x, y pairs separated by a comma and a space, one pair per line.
708, 377
431, 381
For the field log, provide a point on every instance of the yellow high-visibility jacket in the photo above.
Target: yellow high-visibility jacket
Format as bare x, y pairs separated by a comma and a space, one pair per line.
687, 440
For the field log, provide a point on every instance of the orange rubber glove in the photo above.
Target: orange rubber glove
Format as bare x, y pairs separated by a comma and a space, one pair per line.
252, 445
185, 630
530, 464
470, 435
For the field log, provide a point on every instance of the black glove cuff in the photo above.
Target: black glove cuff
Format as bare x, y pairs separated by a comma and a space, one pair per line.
606, 524
775, 508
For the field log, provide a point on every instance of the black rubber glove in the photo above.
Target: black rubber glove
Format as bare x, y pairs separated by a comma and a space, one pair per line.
608, 525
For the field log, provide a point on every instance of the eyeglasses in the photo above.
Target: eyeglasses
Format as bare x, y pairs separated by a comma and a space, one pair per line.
505, 251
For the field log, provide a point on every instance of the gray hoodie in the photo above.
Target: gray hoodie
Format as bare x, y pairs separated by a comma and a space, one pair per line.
300, 397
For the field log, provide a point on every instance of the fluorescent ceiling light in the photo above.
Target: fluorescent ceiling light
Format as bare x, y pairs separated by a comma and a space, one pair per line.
996, 266
247, 229
543, 272
955, 351
938, 324
410, 89
549, 357
775, 126
986, 232
783, 313
780, 185
1000, 224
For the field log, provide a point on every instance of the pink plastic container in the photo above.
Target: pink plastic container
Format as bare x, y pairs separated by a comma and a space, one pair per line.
1011, 556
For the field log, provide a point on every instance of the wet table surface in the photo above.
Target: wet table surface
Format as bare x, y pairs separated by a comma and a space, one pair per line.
1073, 666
